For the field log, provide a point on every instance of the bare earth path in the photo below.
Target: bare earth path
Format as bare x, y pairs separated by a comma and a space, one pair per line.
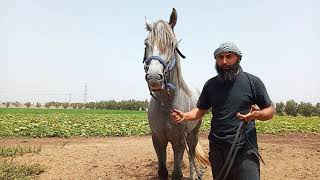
291, 156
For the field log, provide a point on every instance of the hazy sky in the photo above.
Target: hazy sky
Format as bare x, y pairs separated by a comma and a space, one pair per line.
49, 49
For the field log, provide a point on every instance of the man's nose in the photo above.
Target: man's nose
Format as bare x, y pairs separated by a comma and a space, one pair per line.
224, 61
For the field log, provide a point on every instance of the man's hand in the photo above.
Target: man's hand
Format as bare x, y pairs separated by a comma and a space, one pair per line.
177, 116
251, 115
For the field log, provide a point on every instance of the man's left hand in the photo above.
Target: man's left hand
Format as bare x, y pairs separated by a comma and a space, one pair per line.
251, 115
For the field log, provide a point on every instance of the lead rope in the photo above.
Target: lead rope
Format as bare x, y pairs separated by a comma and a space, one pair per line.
232, 154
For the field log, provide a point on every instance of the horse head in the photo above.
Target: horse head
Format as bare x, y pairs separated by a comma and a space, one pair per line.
160, 57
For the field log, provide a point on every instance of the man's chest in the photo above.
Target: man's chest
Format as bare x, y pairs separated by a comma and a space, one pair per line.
237, 95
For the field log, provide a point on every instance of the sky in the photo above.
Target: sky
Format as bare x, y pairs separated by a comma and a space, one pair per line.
49, 50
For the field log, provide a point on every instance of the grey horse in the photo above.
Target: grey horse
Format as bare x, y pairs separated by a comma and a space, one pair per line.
169, 90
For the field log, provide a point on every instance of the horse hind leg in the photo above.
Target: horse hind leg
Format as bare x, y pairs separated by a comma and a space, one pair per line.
160, 148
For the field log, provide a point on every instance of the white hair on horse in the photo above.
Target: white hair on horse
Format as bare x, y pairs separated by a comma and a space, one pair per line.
163, 37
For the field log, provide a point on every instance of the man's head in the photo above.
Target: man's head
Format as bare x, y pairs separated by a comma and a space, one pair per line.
228, 57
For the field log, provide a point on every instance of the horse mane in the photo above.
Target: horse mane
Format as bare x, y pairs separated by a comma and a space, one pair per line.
164, 38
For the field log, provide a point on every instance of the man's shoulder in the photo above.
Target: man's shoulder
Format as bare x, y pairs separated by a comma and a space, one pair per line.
251, 76
211, 81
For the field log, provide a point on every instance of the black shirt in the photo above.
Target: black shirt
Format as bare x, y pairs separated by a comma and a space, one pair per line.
227, 99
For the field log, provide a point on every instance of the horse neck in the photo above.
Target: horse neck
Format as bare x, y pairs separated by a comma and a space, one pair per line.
177, 79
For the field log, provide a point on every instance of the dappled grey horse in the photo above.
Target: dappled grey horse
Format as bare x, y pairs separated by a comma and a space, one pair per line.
168, 90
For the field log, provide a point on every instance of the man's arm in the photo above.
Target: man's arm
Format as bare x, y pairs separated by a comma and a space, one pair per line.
194, 114
256, 113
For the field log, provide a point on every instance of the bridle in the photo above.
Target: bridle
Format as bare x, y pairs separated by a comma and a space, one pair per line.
167, 67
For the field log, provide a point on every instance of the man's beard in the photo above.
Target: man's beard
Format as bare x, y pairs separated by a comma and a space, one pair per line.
228, 74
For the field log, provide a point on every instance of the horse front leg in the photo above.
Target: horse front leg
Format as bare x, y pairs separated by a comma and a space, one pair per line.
178, 150
192, 141
160, 146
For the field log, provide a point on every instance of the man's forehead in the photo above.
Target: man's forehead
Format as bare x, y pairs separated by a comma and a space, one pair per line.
226, 53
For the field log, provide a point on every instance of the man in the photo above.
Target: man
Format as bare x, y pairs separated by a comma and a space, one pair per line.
234, 96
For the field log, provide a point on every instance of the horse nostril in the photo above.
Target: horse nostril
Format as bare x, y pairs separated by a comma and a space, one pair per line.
159, 77
147, 77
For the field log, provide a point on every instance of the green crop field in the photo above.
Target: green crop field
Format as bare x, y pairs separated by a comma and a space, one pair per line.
67, 123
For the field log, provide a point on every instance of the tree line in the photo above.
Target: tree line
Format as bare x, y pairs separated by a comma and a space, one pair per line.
290, 108
112, 105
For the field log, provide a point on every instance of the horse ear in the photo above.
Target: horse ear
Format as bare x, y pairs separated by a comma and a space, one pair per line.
149, 24
173, 18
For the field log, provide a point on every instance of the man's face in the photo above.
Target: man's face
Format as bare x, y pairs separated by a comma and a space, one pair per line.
227, 65
226, 60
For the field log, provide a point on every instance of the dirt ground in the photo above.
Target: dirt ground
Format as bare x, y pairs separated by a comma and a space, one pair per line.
290, 156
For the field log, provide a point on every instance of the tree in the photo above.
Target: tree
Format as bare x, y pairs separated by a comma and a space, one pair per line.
57, 105
16, 104
38, 105
74, 105
291, 108
65, 105
305, 109
7, 104
317, 109
47, 105
28, 104
280, 108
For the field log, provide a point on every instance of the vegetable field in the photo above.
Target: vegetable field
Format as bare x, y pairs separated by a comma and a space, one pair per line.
87, 123
50, 157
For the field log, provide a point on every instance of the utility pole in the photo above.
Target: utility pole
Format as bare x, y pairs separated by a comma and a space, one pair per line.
85, 93
69, 98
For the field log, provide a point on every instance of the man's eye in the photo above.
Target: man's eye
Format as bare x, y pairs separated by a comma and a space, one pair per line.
228, 56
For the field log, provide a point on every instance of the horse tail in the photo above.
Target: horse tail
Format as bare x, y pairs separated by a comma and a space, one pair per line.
201, 157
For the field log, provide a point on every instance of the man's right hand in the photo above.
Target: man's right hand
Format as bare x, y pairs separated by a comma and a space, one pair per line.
177, 116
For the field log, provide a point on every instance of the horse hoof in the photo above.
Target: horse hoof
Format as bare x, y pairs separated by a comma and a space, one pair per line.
163, 174
177, 175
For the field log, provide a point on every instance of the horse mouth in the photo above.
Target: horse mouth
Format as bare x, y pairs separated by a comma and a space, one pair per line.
155, 87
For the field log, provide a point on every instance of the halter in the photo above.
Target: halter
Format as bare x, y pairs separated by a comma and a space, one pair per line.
166, 68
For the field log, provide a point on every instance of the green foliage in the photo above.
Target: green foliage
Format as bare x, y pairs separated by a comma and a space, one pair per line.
305, 109
291, 108
289, 124
70, 122
317, 109
280, 108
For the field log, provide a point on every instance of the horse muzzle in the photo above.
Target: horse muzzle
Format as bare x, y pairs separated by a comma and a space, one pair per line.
155, 81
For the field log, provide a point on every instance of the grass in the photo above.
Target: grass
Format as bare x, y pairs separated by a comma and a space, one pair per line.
14, 151
9, 170
25, 171
70, 122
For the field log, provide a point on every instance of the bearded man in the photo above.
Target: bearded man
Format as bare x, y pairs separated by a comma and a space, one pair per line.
233, 96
